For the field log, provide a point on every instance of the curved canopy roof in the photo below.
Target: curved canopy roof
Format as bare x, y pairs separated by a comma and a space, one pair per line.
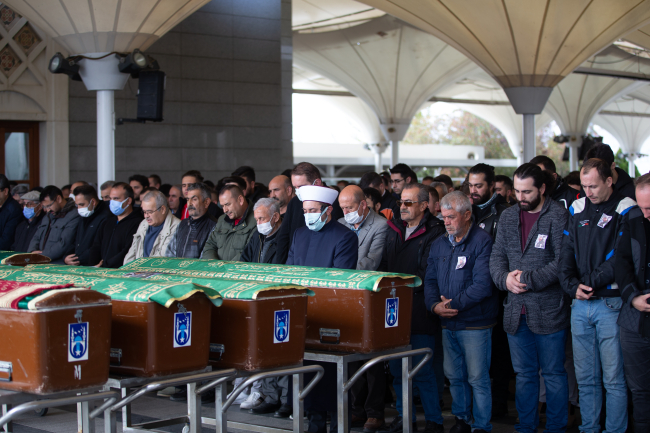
630, 130
315, 16
576, 99
549, 38
96, 26
392, 66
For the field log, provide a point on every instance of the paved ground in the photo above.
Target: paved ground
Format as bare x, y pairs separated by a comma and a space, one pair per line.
152, 407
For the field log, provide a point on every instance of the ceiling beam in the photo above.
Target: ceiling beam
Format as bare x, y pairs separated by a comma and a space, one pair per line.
612, 73
624, 113
434, 99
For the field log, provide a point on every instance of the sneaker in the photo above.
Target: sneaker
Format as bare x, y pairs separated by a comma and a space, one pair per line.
434, 427
241, 397
460, 427
254, 399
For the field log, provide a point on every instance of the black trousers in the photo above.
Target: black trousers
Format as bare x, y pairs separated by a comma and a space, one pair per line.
368, 393
636, 360
501, 363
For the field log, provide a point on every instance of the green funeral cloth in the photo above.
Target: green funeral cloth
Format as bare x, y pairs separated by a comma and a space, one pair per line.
122, 289
229, 289
300, 275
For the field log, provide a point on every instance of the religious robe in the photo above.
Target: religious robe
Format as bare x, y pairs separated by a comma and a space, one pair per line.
334, 246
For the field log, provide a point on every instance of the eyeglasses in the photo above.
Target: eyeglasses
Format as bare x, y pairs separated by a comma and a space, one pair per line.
150, 212
394, 181
407, 203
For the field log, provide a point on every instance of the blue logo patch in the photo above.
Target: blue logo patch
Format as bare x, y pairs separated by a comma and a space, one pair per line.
281, 326
78, 341
392, 312
183, 329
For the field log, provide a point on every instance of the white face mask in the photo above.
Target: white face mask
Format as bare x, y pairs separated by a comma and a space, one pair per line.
84, 212
353, 217
265, 228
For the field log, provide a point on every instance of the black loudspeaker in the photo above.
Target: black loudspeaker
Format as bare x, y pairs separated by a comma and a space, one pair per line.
151, 90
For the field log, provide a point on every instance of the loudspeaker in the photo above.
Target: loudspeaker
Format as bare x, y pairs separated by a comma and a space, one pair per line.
151, 90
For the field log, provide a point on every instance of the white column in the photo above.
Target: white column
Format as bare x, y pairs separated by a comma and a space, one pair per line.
574, 143
394, 153
105, 136
529, 150
631, 159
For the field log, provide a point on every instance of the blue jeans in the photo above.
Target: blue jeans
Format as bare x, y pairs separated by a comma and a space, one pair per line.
425, 381
598, 360
531, 352
467, 366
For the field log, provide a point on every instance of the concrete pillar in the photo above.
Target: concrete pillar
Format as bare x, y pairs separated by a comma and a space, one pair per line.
529, 141
574, 144
528, 101
631, 159
394, 153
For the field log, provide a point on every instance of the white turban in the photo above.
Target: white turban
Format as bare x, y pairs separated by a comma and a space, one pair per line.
321, 194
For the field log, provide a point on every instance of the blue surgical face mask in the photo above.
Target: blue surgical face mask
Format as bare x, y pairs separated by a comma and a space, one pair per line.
28, 212
116, 207
314, 221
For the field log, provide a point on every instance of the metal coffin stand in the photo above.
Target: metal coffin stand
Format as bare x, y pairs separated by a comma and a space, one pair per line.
31, 402
343, 387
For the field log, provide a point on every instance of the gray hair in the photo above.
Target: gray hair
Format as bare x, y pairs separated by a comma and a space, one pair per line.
106, 185
205, 191
20, 189
160, 198
445, 190
269, 203
423, 191
457, 201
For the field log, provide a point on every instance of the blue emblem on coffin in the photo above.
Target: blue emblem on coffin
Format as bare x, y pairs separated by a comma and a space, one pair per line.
183, 329
281, 326
78, 341
392, 312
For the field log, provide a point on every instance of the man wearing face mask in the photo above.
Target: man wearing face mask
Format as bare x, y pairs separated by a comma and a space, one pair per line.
194, 230
55, 236
261, 247
93, 212
113, 241
33, 212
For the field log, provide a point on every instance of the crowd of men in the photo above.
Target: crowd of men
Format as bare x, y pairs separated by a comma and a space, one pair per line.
536, 275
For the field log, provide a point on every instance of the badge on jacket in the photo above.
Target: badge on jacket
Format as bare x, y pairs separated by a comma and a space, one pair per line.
604, 219
462, 260
541, 241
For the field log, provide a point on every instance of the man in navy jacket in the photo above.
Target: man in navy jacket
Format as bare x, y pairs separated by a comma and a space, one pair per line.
459, 289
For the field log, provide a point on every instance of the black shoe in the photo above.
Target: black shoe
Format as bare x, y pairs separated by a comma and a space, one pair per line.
433, 427
208, 397
460, 427
397, 427
265, 408
179, 395
284, 412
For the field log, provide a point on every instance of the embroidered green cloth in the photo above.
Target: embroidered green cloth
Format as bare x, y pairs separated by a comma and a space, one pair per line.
122, 289
229, 289
299, 275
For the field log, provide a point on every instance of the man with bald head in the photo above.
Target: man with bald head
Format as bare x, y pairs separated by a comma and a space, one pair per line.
281, 190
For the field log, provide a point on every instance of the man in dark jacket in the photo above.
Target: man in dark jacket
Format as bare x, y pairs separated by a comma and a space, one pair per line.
622, 183
262, 245
93, 212
113, 242
193, 232
33, 212
587, 274
408, 241
303, 174
373, 180
563, 193
458, 288
11, 215
55, 236
633, 279
487, 207
524, 264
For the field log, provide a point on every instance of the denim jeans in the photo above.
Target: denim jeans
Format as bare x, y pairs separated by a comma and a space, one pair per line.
467, 366
531, 352
598, 360
425, 381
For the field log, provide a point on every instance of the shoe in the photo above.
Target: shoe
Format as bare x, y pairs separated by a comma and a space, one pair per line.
241, 397
434, 427
285, 411
208, 397
265, 408
179, 395
373, 424
357, 421
253, 400
460, 427
397, 426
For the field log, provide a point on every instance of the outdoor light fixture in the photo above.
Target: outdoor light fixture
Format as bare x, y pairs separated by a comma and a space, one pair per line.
136, 62
61, 65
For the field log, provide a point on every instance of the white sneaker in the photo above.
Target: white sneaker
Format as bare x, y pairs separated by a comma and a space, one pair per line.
241, 397
253, 400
